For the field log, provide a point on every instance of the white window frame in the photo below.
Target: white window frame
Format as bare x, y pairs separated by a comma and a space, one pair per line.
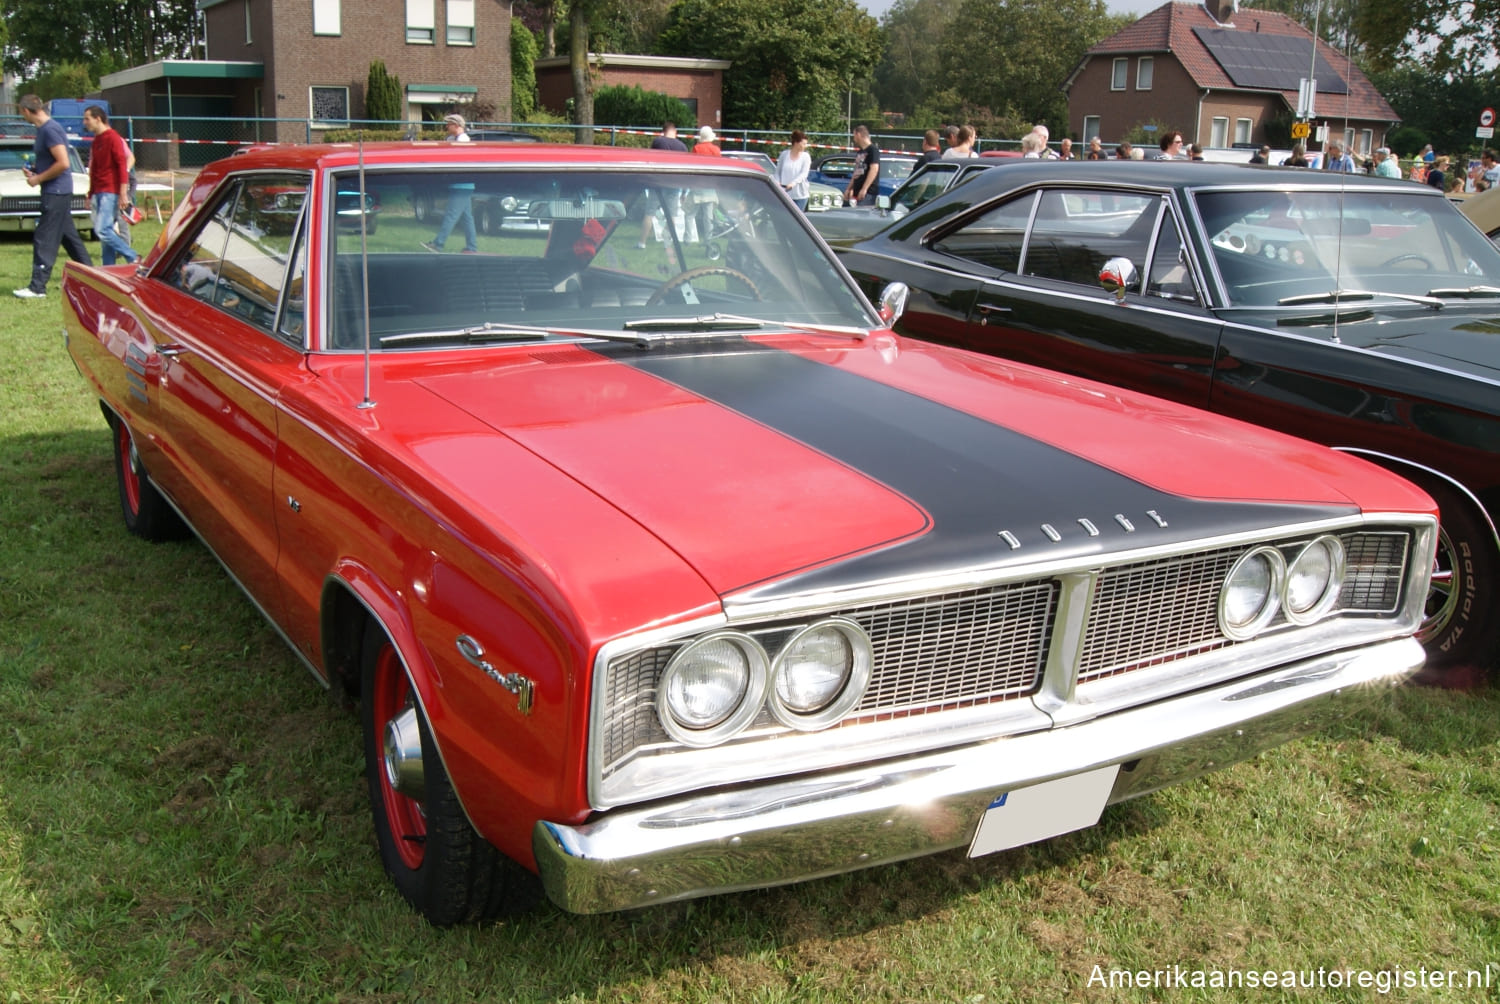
1243, 130
421, 22
1090, 128
1366, 142
1120, 74
1218, 131
312, 107
460, 21
327, 17
249, 35
1145, 70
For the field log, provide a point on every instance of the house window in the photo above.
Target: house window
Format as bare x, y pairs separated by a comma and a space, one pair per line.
330, 106
460, 22
1121, 75
1366, 141
1349, 141
1218, 133
1090, 128
249, 36
1242, 129
421, 21
1144, 68
326, 17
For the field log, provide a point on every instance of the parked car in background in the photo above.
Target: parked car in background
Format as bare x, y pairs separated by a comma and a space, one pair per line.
836, 170
820, 198
502, 136
660, 567
20, 204
1483, 209
848, 224
1357, 312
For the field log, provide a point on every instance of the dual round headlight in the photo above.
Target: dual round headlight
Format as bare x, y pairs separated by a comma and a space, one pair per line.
1262, 584
717, 685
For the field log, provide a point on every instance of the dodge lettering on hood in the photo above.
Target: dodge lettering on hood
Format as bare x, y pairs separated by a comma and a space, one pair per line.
661, 567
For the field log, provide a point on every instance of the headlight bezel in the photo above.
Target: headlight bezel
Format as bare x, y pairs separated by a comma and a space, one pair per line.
851, 688
752, 694
1270, 604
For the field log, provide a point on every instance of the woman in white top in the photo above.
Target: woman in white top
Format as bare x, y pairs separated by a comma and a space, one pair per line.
792, 167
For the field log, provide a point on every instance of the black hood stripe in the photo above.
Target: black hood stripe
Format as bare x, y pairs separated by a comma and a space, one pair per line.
975, 478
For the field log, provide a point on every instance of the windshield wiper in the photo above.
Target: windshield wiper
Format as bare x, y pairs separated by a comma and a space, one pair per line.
1336, 295
1466, 292
706, 322
490, 331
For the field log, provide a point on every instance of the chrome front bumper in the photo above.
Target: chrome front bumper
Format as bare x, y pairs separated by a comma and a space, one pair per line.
808, 827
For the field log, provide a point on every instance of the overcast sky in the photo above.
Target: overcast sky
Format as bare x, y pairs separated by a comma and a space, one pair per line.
1136, 7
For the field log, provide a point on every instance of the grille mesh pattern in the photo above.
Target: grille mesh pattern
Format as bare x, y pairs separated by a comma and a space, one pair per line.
991, 644
1154, 611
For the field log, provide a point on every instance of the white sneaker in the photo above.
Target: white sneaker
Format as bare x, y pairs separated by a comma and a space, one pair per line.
27, 293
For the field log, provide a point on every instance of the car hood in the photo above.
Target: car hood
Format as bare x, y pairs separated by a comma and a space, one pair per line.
1461, 337
842, 227
13, 183
799, 464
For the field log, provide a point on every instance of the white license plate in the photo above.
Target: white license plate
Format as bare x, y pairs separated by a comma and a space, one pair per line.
1026, 815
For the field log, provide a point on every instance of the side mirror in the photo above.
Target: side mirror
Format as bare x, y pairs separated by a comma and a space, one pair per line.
893, 303
882, 202
1117, 277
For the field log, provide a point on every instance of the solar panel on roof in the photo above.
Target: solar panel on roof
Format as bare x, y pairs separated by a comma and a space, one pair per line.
1268, 62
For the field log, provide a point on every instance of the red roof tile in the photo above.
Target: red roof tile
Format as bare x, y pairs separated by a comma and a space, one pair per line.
1169, 28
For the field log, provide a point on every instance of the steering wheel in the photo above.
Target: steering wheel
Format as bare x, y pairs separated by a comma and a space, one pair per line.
683, 278
1409, 256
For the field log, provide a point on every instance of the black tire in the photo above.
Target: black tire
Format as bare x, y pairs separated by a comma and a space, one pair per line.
421, 206
440, 865
146, 513
1462, 626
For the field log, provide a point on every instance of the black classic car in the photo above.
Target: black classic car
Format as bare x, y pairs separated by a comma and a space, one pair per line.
844, 226
1360, 312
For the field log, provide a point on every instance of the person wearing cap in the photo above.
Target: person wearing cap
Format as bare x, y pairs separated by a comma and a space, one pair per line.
706, 144
460, 198
1385, 164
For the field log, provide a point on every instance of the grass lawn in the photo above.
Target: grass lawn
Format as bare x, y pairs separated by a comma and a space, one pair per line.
182, 818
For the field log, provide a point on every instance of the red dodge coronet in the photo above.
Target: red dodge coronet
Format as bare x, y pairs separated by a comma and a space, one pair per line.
660, 567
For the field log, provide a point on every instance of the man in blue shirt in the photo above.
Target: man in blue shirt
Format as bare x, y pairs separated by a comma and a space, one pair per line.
1335, 159
52, 175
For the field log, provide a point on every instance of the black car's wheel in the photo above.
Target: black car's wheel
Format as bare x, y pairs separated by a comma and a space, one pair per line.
1460, 630
444, 869
146, 513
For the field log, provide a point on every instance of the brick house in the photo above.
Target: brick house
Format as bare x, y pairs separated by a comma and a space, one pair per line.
698, 83
301, 60
1218, 74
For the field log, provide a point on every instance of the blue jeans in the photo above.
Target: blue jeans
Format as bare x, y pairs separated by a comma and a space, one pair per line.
460, 205
106, 212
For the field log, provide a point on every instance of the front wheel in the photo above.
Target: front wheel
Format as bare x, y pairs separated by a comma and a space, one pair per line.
440, 865
1461, 627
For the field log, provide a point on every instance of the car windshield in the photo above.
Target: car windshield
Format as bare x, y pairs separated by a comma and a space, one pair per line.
15, 156
925, 185
504, 252
1274, 247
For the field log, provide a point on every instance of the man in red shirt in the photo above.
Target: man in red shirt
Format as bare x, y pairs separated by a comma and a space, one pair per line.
109, 184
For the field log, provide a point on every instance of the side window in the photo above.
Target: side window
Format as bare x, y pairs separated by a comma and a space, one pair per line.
239, 260
994, 239
198, 272
1078, 230
1170, 276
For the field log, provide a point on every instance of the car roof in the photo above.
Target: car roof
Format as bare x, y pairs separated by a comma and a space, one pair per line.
426, 152
1483, 209
1181, 174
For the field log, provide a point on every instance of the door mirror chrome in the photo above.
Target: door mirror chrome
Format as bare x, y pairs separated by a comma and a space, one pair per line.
1117, 277
893, 303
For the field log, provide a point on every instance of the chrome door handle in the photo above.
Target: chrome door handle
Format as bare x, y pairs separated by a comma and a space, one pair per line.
170, 350
987, 309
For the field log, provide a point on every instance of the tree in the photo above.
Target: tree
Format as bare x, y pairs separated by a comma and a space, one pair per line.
794, 61
383, 98
909, 75
1333, 19
579, 13
105, 37
1042, 42
1450, 36
523, 54
1444, 105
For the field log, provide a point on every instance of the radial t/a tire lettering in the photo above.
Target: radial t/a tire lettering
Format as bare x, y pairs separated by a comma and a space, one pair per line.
1462, 627
439, 864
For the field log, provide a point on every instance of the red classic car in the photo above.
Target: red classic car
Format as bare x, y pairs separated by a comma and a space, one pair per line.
660, 567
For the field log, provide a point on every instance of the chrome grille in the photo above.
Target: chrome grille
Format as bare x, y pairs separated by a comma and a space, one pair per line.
33, 204
1154, 612
1375, 567
931, 653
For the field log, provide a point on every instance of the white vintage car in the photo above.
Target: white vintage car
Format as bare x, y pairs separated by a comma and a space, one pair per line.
20, 204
